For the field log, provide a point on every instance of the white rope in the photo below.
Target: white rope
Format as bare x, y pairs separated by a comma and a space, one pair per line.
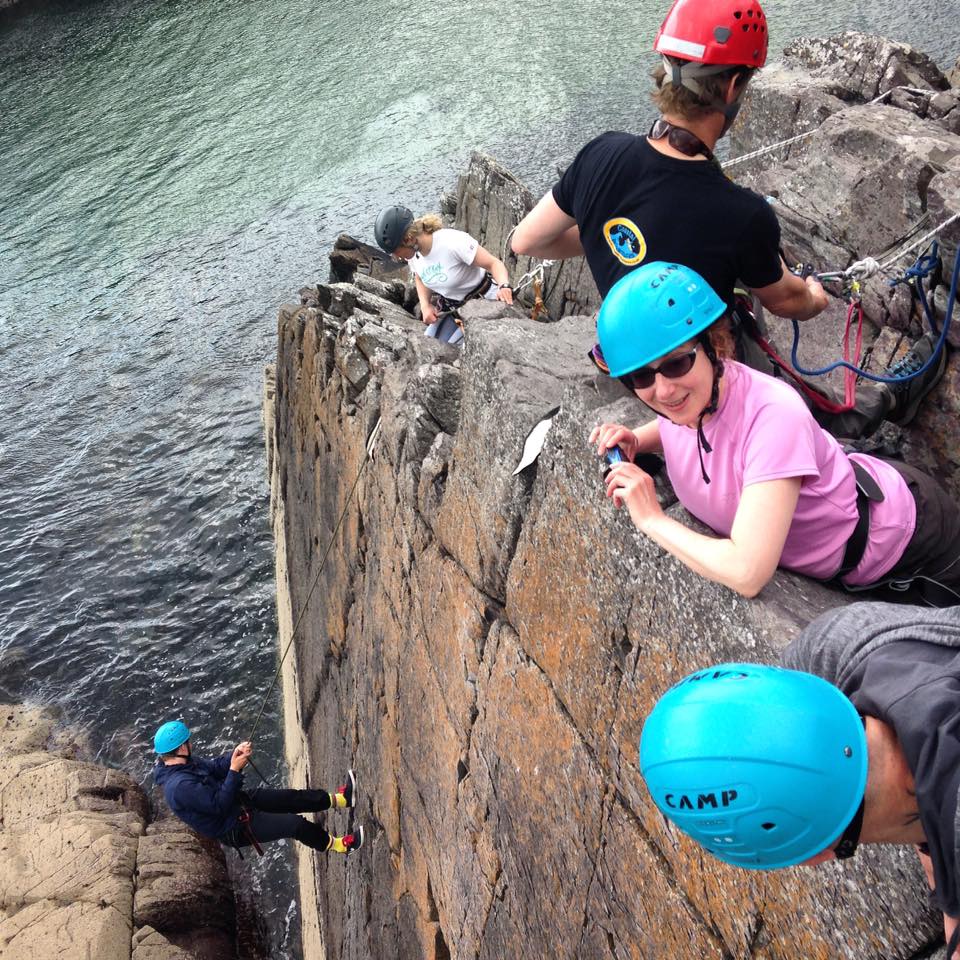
531, 275
803, 136
868, 266
506, 243
926, 238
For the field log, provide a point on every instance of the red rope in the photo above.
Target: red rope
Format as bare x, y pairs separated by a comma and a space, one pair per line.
818, 399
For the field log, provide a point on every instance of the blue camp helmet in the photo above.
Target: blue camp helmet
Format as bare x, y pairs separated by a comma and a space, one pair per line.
651, 311
169, 736
764, 767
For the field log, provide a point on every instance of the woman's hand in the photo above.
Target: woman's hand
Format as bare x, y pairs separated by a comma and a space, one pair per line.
505, 294
428, 314
628, 485
609, 435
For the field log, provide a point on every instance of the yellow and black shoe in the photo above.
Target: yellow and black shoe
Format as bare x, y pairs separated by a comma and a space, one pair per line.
345, 797
348, 843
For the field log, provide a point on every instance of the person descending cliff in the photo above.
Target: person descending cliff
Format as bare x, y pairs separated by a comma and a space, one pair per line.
855, 740
208, 795
627, 200
449, 267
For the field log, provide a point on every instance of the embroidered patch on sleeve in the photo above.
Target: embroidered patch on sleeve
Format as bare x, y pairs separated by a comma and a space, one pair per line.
625, 240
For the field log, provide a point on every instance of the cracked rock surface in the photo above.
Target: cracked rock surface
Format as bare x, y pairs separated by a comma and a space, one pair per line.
482, 649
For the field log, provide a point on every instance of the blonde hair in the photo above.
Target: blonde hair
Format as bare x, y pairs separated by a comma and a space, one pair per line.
681, 102
428, 223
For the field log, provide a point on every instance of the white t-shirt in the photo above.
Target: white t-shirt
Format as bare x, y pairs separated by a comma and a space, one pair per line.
447, 269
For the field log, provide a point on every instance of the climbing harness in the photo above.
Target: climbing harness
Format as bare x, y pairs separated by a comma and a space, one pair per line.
244, 820
367, 456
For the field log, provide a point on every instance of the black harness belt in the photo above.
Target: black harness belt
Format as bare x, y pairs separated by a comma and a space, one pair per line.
867, 490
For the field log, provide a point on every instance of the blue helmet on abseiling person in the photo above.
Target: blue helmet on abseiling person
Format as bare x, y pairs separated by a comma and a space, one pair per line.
170, 736
762, 766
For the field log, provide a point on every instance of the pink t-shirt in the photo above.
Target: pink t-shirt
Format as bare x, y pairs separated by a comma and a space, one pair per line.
763, 431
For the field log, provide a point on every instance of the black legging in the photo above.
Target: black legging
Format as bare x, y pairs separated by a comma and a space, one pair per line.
273, 817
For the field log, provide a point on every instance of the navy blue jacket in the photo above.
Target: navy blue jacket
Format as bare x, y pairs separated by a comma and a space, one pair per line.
204, 794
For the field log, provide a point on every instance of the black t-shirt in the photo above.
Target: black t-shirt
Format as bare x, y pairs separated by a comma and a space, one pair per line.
915, 688
634, 205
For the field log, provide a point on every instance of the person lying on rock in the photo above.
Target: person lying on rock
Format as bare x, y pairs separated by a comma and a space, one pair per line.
208, 796
627, 200
746, 458
449, 267
857, 740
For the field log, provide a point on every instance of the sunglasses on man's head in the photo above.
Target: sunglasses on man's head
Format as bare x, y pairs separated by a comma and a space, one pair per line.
644, 377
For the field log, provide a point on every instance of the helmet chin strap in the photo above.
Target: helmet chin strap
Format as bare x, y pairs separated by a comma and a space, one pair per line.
681, 73
716, 364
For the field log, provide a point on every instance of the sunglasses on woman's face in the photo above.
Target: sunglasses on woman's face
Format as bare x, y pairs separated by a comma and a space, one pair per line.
644, 377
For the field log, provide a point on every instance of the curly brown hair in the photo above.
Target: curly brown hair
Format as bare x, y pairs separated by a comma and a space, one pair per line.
720, 335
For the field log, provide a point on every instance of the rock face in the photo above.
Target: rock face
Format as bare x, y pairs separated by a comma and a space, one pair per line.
82, 874
482, 647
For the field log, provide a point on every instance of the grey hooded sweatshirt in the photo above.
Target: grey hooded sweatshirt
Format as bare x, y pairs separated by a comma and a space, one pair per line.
901, 664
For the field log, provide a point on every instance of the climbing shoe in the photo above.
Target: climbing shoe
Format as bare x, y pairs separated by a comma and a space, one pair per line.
348, 843
908, 395
346, 796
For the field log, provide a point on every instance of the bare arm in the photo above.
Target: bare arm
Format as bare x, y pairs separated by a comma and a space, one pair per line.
487, 261
792, 297
547, 232
746, 560
427, 313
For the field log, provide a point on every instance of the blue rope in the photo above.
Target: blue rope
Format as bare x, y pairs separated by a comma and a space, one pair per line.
922, 269
877, 378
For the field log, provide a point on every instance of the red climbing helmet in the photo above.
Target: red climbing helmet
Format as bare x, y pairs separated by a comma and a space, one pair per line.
716, 32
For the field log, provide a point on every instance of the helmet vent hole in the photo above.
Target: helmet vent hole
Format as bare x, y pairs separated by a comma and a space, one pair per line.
737, 14
749, 13
671, 303
746, 27
768, 825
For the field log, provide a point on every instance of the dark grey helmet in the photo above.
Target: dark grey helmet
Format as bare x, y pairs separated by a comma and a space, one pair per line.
390, 226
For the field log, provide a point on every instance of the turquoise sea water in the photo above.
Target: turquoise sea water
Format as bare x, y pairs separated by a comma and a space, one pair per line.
170, 173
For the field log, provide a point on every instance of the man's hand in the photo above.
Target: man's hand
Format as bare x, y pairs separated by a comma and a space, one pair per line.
428, 314
817, 294
241, 756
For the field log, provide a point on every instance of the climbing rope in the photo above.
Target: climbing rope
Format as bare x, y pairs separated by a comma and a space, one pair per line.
809, 133
368, 453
